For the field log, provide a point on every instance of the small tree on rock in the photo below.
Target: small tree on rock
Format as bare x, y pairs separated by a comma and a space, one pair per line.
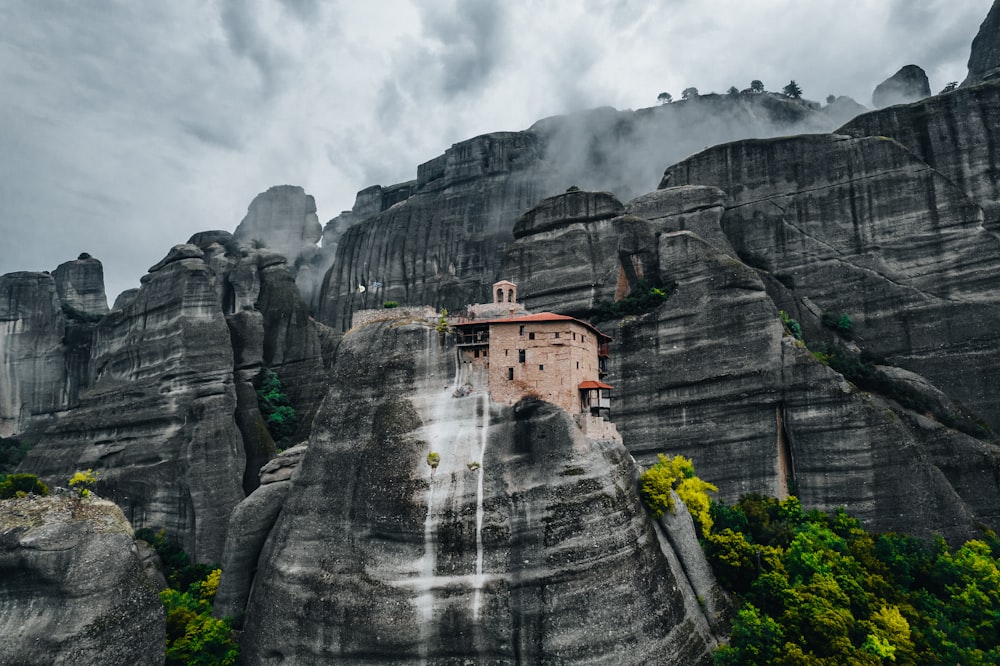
665, 98
756, 86
689, 93
792, 90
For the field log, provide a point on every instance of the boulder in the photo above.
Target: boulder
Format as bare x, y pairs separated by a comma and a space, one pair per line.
72, 586
909, 84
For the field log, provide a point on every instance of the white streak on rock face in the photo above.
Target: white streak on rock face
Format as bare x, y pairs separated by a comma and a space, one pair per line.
484, 437
456, 427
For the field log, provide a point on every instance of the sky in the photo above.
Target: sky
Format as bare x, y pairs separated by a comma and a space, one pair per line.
127, 126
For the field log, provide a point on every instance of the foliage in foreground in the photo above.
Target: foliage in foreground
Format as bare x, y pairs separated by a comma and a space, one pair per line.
193, 635
816, 588
21, 485
677, 474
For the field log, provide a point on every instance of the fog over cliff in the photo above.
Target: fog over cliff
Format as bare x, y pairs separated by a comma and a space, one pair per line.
126, 129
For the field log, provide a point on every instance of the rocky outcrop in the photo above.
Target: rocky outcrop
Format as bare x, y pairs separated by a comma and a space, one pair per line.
72, 586
157, 422
32, 366
539, 552
957, 134
909, 84
249, 527
284, 220
984, 60
440, 240
80, 285
711, 375
863, 227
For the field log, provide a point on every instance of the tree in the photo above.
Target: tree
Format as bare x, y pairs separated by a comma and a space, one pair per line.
279, 415
665, 98
677, 474
830, 99
689, 93
948, 88
733, 91
756, 86
792, 90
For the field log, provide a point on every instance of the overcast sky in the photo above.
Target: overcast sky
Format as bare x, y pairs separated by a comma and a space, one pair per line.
126, 126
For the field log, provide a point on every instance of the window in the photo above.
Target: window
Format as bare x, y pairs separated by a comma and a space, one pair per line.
475, 353
531, 336
510, 295
510, 373
486, 352
541, 367
520, 356
505, 351
577, 365
557, 334
521, 331
574, 336
499, 295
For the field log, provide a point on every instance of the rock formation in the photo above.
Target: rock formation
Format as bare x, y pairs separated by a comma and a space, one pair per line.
957, 134
439, 240
711, 375
984, 60
80, 285
284, 220
538, 553
72, 586
909, 84
32, 364
157, 422
902, 254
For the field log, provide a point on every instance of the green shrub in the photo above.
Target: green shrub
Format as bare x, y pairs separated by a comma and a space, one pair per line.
433, 459
279, 415
82, 481
391, 304
676, 474
20, 485
193, 635
817, 588
12, 452
644, 298
792, 326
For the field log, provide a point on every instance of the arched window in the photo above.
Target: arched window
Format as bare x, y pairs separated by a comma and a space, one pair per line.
510, 295
499, 295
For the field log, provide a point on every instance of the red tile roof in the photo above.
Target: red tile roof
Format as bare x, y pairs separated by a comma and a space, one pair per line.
591, 384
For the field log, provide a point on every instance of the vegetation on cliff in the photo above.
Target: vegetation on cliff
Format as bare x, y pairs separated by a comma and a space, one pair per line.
817, 588
278, 413
193, 635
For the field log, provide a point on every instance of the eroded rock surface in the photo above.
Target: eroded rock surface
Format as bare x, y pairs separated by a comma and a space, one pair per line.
984, 59
542, 553
72, 586
157, 422
80, 284
32, 359
710, 374
863, 227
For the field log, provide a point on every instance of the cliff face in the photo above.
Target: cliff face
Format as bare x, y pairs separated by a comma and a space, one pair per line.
957, 134
439, 239
540, 553
72, 586
863, 227
984, 59
710, 373
158, 420
31, 354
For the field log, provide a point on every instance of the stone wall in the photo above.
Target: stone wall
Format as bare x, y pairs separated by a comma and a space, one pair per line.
363, 317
